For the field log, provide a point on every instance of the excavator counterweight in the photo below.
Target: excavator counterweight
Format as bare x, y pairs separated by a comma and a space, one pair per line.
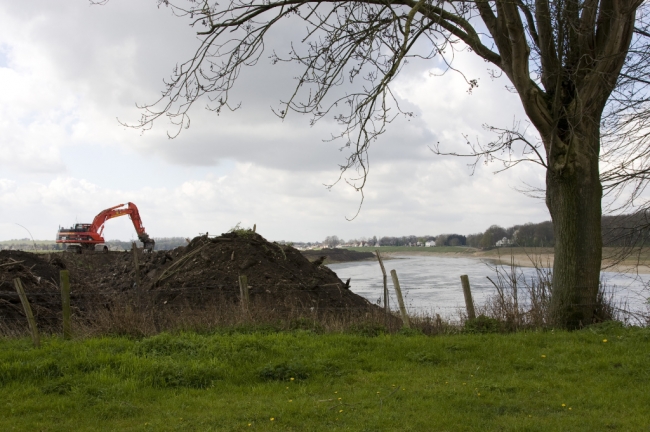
85, 236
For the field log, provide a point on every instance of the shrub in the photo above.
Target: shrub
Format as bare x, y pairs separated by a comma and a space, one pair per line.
483, 324
367, 329
406, 331
303, 323
284, 372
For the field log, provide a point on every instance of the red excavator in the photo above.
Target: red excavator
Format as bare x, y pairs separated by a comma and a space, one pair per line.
84, 237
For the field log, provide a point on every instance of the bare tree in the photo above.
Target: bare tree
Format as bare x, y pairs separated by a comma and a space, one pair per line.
580, 69
332, 241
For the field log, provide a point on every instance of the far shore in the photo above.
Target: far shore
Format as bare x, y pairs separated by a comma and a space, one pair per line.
639, 262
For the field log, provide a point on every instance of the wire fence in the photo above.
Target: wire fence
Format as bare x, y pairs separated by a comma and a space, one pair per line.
325, 307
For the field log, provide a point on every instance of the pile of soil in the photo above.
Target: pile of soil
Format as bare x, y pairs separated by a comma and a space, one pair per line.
39, 279
337, 255
206, 269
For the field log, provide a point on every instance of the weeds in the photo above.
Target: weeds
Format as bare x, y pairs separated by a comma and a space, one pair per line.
241, 231
483, 324
522, 302
284, 372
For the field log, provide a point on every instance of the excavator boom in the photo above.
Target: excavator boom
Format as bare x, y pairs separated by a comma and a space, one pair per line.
89, 235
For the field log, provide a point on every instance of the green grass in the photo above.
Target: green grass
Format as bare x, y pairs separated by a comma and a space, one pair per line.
226, 381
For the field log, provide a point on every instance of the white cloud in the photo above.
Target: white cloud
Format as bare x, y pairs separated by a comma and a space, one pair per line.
402, 199
67, 71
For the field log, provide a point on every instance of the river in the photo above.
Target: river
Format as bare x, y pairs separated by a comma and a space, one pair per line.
431, 284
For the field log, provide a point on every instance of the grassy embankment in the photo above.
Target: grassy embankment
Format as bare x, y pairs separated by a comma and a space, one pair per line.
591, 380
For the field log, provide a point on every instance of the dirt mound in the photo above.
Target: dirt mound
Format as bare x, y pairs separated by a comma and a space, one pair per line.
337, 255
209, 268
278, 273
39, 279
205, 271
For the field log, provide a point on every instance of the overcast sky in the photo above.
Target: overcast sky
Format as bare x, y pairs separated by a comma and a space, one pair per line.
69, 70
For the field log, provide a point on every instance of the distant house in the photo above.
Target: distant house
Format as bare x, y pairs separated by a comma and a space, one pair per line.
430, 243
504, 242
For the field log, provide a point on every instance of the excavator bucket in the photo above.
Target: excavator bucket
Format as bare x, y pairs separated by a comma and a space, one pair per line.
147, 241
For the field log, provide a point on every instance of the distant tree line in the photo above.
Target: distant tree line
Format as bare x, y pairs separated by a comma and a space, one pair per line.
410, 240
163, 243
334, 241
631, 230
451, 240
27, 244
530, 234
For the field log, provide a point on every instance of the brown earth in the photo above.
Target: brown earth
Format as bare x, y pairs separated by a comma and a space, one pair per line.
38, 278
337, 255
204, 271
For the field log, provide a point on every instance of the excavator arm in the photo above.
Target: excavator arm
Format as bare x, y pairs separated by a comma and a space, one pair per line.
148, 242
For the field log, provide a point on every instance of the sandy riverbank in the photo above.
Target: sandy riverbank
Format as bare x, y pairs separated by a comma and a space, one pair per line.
542, 257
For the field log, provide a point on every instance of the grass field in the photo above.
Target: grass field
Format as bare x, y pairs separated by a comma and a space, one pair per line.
596, 379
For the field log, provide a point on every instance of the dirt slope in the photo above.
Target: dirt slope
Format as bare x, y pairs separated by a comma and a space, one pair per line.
338, 255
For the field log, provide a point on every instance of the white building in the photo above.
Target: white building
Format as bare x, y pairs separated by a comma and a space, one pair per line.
504, 242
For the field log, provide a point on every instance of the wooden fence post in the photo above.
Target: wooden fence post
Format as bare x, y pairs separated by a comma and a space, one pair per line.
64, 278
469, 303
134, 248
28, 312
383, 271
400, 300
243, 291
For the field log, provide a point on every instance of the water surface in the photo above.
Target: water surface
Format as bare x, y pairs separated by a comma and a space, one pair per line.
431, 284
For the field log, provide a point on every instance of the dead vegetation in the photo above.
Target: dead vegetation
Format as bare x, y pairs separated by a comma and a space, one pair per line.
521, 302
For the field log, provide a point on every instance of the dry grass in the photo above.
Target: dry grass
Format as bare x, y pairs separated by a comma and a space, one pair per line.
146, 320
522, 302
519, 303
140, 317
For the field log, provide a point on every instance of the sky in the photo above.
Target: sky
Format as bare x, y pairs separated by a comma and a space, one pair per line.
69, 71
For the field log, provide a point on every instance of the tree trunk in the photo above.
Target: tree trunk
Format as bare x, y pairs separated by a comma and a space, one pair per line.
573, 197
